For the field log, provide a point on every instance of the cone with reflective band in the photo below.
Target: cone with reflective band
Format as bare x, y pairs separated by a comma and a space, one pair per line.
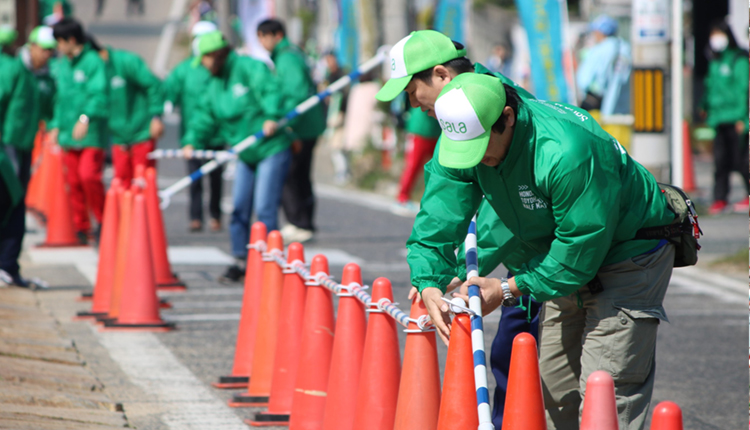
346, 358
243, 352
105, 273
139, 306
123, 243
311, 388
165, 279
524, 404
286, 359
599, 405
419, 392
259, 388
458, 404
381, 368
60, 229
667, 416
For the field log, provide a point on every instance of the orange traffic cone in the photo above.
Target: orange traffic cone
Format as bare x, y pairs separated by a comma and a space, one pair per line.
688, 173
419, 393
60, 229
458, 405
46, 179
524, 404
139, 306
259, 388
105, 273
346, 358
381, 368
165, 279
32, 190
599, 407
287, 355
667, 416
311, 388
243, 352
123, 244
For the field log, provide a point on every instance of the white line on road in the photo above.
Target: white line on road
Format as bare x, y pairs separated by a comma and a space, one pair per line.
204, 305
230, 291
360, 198
201, 317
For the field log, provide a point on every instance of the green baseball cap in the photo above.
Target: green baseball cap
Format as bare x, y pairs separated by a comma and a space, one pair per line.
414, 53
43, 37
8, 35
467, 108
209, 43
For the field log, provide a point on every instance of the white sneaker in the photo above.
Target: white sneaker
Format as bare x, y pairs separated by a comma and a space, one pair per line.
296, 234
287, 230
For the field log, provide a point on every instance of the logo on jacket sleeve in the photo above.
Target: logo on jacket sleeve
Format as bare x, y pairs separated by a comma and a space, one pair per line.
79, 76
117, 82
239, 90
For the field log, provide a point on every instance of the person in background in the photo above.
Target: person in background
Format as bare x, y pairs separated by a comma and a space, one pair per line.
21, 108
603, 76
335, 107
725, 108
8, 35
80, 122
297, 200
184, 87
52, 11
500, 60
422, 135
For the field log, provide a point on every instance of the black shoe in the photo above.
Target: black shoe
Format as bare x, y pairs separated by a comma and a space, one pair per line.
233, 275
18, 281
82, 237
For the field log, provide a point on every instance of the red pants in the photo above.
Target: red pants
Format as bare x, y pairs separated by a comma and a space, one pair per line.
84, 169
125, 158
418, 150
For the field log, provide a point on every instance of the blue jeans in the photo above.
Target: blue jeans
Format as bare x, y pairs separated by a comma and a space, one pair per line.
514, 321
260, 187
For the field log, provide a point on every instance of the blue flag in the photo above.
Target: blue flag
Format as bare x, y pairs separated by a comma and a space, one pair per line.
450, 19
347, 38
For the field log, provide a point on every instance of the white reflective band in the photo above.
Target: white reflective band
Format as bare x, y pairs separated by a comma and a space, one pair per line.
457, 117
397, 62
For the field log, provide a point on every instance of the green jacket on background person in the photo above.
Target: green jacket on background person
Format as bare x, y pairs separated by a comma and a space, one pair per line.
135, 97
184, 87
81, 90
19, 104
236, 104
297, 86
557, 246
725, 97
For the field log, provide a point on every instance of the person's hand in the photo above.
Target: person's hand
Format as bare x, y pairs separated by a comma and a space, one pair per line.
490, 291
187, 151
80, 130
455, 283
740, 127
438, 310
270, 127
156, 129
53, 135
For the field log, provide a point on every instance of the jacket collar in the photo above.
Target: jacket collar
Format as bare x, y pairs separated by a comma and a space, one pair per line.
77, 58
229, 64
521, 134
282, 45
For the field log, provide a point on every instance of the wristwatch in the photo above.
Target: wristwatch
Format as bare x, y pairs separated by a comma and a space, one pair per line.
83, 119
508, 298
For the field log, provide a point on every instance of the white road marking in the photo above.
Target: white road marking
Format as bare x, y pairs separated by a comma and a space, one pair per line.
201, 317
229, 291
360, 198
201, 255
204, 305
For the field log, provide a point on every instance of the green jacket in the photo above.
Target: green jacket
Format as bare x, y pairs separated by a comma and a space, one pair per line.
81, 90
236, 104
421, 124
569, 197
45, 83
726, 84
19, 105
184, 87
135, 97
296, 87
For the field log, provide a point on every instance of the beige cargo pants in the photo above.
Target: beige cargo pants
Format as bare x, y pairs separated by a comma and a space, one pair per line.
614, 331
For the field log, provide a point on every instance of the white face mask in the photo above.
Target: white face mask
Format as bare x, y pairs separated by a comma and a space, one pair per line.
718, 42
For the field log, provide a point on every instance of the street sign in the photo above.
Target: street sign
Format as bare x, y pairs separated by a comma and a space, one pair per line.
650, 21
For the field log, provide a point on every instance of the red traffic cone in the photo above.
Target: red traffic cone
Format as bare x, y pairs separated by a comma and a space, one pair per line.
346, 358
42, 200
123, 244
667, 416
105, 273
33, 188
524, 404
139, 306
599, 406
381, 368
419, 393
287, 355
311, 388
688, 173
259, 388
165, 279
243, 352
60, 229
458, 405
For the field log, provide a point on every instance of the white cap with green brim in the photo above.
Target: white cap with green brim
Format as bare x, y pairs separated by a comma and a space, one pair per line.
414, 53
467, 108
43, 36
202, 27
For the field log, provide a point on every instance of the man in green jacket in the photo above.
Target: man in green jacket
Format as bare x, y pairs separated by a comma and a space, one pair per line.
184, 87
242, 98
8, 35
136, 103
297, 85
80, 121
21, 108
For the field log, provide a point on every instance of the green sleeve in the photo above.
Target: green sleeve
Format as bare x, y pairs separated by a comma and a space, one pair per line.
8, 80
198, 132
97, 94
267, 89
139, 73
449, 202
173, 85
583, 194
